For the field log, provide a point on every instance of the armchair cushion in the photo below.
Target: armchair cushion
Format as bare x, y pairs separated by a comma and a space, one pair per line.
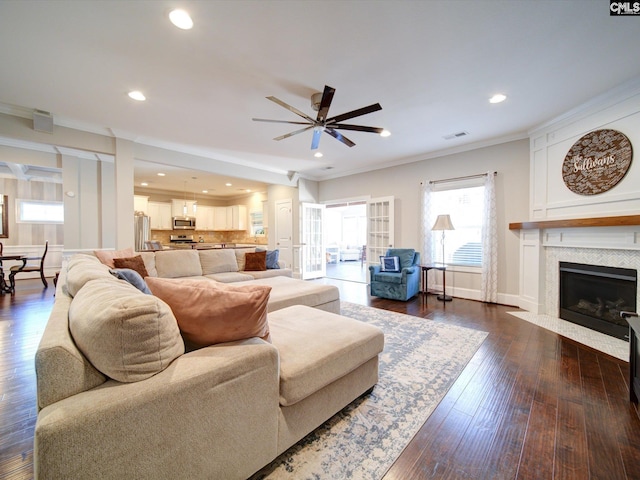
406, 256
388, 277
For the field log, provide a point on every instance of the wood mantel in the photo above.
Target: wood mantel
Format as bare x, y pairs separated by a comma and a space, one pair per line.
579, 222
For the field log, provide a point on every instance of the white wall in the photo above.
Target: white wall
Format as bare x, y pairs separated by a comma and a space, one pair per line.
510, 160
550, 197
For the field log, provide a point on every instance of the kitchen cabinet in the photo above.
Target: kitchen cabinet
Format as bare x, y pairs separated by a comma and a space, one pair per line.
205, 217
160, 215
177, 208
141, 204
230, 218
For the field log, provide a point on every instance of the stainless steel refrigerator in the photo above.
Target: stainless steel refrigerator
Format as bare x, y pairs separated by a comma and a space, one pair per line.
142, 229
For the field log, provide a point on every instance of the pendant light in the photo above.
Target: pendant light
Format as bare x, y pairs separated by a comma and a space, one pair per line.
184, 207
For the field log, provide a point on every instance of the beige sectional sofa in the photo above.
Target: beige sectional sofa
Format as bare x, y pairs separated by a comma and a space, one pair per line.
227, 265
222, 411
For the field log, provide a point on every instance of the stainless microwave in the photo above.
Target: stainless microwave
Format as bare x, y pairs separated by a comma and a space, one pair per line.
184, 223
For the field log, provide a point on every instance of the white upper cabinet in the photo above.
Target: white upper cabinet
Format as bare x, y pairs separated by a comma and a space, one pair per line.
160, 215
230, 218
178, 208
140, 204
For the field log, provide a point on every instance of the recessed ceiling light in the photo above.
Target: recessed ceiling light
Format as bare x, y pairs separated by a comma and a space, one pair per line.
161, 174
205, 191
181, 19
248, 190
318, 154
228, 184
137, 95
144, 184
497, 98
385, 133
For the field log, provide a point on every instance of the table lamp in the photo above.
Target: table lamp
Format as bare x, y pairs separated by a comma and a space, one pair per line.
443, 222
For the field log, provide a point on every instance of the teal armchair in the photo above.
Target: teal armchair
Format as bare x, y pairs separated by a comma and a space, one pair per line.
401, 285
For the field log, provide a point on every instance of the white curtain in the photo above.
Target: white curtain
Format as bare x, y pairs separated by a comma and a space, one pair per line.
489, 288
425, 224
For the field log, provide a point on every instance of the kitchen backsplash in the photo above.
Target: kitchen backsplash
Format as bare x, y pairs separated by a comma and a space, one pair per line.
208, 236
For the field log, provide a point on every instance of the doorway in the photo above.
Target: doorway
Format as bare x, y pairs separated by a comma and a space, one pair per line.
346, 238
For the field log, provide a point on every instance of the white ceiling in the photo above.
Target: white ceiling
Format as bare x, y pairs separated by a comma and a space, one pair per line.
432, 65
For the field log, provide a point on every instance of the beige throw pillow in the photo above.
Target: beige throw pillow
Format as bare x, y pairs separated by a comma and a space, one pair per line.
125, 334
210, 312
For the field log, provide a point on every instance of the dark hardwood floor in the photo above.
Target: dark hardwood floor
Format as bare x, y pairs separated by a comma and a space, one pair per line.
530, 405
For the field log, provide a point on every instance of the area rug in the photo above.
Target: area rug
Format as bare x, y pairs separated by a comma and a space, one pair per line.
604, 343
420, 362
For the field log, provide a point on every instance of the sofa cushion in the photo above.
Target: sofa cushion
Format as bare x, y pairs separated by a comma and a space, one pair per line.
211, 312
316, 348
62, 370
126, 335
230, 277
290, 291
268, 273
82, 268
178, 263
134, 263
218, 261
149, 259
107, 256
240, 253
255, 262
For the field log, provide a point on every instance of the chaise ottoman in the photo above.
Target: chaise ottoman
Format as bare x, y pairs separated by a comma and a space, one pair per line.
286, 291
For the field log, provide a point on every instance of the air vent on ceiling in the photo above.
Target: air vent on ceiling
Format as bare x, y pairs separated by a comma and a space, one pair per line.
456, 135
42, 121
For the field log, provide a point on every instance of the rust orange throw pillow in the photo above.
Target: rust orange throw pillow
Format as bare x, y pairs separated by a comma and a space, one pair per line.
210, 312
255, 261
134, 263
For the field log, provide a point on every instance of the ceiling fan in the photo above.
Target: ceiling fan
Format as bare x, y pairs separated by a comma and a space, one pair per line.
321, 102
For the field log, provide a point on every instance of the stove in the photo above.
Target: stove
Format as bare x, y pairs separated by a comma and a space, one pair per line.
182, 239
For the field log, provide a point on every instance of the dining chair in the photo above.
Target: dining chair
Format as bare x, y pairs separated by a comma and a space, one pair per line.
33, 267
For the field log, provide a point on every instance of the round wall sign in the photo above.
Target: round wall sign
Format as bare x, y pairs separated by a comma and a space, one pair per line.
597, 162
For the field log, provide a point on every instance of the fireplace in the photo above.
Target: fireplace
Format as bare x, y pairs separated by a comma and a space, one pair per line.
593, 296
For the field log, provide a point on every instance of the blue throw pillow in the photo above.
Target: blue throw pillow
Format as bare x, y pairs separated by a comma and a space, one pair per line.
390, 264
272, 258
131, 276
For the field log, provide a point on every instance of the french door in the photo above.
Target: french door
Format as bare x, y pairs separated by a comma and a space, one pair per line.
312, 245
380, 227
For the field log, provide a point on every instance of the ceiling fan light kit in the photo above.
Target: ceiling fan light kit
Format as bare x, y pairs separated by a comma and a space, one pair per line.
321, 102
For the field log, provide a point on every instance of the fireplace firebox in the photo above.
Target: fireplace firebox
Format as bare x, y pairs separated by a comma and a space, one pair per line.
593, 296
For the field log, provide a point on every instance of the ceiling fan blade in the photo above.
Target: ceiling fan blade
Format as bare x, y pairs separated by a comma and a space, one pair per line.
278, 121
355, 113
325, 103
358, 128
316, 138
339, 136
291, 109
291, 134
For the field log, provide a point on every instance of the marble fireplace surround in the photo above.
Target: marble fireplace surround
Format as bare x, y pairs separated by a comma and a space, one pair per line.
608, 241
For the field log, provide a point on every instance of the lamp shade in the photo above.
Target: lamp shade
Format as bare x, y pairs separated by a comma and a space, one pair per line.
443, 222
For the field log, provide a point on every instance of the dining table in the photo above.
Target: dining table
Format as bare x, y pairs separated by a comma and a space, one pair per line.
11, 286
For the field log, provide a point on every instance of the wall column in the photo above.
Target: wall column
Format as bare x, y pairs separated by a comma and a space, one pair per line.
124, 193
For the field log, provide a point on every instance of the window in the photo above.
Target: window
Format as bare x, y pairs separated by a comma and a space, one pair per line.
35, 211
462, 246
